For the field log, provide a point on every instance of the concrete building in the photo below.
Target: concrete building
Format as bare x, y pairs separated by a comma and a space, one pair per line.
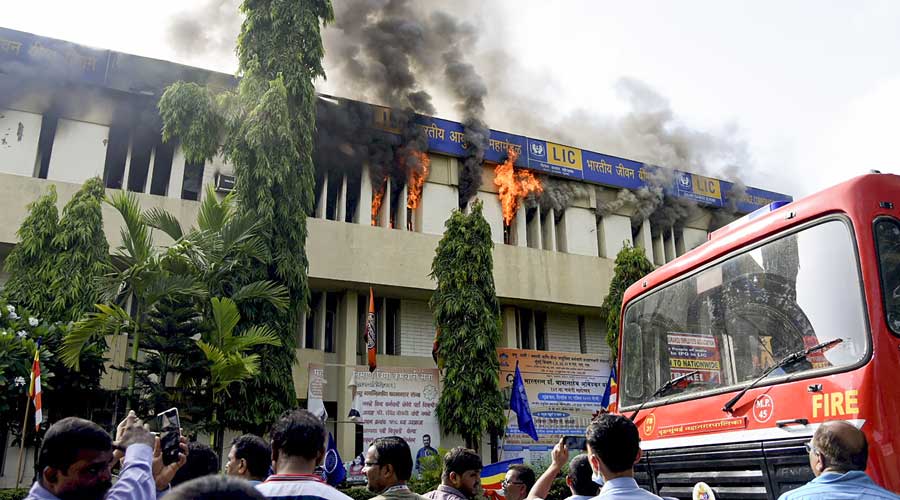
68, 113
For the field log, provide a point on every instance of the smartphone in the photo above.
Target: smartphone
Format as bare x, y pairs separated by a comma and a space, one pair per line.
575, 442
169, 426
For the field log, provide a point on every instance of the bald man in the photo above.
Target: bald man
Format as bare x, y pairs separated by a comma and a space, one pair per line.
838, 454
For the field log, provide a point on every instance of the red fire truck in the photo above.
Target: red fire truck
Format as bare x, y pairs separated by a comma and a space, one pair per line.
733, 354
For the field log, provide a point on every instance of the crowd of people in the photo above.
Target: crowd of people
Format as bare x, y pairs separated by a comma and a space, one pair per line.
77, 458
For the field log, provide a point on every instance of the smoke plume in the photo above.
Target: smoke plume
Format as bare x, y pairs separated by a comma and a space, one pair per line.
470, 91
409, 56
207, 32
558, 194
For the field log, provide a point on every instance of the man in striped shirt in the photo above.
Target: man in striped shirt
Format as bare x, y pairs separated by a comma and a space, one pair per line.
298, 446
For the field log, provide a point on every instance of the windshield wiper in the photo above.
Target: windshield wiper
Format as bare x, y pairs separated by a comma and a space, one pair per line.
663, 388
787, 360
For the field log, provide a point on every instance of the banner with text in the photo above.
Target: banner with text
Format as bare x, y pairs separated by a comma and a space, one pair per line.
564, 390
399, 402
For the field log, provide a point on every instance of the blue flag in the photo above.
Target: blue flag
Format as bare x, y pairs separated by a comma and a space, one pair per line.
334, 470
607, 394
518, 402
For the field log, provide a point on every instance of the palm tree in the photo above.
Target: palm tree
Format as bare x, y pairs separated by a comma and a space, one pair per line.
206, 261
137, 284
229, 355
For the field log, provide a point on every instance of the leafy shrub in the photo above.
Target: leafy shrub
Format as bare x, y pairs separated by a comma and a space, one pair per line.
13, 494
430, 476
356, 493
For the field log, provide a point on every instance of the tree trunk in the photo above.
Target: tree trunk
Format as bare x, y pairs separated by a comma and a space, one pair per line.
473, 443
495, 445
136, 338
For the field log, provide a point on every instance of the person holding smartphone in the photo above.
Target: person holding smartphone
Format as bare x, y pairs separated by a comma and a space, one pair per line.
76, 458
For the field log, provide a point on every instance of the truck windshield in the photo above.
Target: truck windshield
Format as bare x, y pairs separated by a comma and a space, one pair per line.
732, 321
887, 238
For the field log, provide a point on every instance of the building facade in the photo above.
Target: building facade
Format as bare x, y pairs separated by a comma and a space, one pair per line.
69, 113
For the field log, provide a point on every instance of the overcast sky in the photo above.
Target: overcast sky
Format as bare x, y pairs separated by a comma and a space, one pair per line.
801, 94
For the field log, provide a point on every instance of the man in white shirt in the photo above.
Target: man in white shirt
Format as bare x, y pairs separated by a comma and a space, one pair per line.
298, 446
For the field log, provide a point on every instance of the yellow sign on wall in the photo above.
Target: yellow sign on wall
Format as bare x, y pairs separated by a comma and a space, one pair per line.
564, 156
706, 186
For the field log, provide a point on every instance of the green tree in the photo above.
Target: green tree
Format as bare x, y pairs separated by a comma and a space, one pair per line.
631, 265
140, 280
82, 254
71, 393
230, 356
53, 271
31, 262
170, 352
467, 313
266, 132
216, 253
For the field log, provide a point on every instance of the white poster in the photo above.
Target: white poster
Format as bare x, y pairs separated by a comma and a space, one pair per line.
400, 402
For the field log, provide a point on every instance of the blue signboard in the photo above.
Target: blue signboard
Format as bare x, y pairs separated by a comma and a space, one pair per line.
499, 145
55, 58
613, 171
72, 62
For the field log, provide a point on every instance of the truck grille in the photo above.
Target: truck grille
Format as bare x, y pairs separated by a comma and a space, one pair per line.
754, 470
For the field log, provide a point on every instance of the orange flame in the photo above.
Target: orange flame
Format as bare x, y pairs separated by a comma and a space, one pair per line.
377, 198
416, 180
514, 185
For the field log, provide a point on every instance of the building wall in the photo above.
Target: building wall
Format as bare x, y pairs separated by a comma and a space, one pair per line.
580, 231
416, 328
19, 134
438, 201
493, 212
79, 151
562, 332
693, 238
595, 335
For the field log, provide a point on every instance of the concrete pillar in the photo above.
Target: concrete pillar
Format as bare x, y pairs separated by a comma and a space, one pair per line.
149, 181
534, 231
659, 257
321, 311
693, 238
400, 216
678, 235
669, 244
381, 320
508, 334
363, 213
322, 204
561, 236
613, 231
128, 163
340, 211
645, 240
521, 228
176, 177
301, 331
383, 217
346, 354
548, 230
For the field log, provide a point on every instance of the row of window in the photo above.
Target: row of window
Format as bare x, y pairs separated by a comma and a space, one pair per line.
134, 159
319, 328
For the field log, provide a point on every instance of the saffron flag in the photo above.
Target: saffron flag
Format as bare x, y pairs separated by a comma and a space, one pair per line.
518, 402
370, 332
34, 388
434, 349
492, 476
610, 398
333, 466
